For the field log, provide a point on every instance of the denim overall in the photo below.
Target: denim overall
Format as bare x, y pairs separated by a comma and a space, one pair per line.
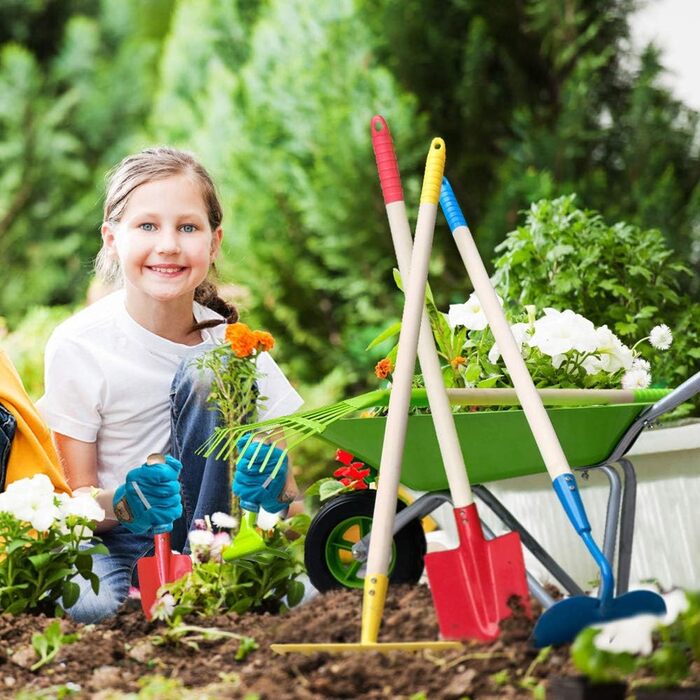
204, 486
8, 425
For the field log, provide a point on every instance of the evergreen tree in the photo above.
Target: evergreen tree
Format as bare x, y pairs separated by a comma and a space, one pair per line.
68, 113
536, 98
287, 136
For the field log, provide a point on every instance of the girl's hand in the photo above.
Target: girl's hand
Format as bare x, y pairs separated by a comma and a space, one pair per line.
254, 487
150, 500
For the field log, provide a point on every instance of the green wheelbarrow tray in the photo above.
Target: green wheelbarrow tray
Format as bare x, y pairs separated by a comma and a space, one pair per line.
496, 444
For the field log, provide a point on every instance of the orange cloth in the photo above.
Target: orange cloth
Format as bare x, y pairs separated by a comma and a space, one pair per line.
32, 451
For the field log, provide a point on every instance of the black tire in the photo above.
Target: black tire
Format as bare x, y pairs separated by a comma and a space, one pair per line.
330, 566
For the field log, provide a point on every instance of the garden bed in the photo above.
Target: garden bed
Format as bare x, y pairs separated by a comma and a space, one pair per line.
120, 656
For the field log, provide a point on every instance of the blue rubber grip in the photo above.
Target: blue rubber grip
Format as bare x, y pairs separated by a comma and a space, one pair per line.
450, 207
567, 491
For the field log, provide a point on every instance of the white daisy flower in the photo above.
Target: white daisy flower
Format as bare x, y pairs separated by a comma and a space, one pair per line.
661, 337
224, 521
200, 539
641, 363
636, 379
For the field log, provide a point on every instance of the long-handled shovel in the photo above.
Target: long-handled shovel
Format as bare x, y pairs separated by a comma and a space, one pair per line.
377, 580
472, 584
164, 566
562, 622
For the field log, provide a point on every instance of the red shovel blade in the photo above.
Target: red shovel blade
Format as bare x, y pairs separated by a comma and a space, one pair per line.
471, 585
163, 567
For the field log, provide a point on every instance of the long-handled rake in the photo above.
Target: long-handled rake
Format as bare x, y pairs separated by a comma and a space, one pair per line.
376, 580
562, 622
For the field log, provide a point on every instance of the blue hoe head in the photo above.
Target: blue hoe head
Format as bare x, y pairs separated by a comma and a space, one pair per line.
564, 620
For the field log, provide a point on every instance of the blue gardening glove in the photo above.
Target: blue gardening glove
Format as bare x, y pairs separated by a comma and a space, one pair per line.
149, 499
255, 488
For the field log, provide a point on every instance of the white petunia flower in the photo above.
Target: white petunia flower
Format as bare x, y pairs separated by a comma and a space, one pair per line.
30, 486
636, 379
470, 314
614, 354
41, 519
84, 506
35, 507
556, 333
634, 634
661, 337
520, 334
224, 521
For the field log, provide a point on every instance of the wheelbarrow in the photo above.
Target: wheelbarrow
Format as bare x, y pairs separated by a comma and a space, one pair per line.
497, 445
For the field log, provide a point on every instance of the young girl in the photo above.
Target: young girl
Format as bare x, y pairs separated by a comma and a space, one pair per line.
120, 381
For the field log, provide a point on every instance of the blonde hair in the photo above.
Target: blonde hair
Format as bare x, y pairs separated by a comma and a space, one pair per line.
151, 164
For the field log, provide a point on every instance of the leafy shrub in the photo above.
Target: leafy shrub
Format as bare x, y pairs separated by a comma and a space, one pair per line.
262, 581
560, 348
619, 275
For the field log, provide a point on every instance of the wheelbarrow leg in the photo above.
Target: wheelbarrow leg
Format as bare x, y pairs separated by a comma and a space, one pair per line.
512, 523
627, 515
612, 517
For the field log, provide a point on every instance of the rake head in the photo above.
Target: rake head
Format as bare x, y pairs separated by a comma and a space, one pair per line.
291, 430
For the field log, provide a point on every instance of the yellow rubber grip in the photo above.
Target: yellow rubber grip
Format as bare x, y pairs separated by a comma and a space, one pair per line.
434, 169
373, 606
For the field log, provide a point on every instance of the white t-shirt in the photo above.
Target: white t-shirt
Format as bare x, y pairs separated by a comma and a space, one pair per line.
108, 381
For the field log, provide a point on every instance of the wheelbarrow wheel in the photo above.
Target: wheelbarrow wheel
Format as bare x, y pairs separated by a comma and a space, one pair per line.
342, 522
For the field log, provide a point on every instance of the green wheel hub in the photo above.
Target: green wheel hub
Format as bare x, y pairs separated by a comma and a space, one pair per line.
338, 551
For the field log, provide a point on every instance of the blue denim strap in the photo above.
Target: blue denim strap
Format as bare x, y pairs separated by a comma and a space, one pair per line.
8, 426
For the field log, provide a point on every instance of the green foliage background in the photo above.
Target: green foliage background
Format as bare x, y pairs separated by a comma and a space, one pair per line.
535, 98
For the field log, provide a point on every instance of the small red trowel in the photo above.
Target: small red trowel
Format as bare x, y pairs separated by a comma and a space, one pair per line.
164, 567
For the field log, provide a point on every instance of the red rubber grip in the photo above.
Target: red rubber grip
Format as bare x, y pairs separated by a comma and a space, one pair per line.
387, 166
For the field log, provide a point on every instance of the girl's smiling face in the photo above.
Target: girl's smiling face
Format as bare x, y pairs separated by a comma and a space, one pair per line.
163, 240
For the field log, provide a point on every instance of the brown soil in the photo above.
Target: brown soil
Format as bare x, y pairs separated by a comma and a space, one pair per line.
116, 657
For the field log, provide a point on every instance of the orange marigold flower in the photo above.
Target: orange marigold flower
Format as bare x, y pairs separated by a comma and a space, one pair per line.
241, 338
383, 368
264, 340
457, 361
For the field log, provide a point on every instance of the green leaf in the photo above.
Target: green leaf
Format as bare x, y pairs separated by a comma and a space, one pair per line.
315, 488
40, 561
390, 332
397, 278
18, 543
71, 593
295, 592
473, 372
